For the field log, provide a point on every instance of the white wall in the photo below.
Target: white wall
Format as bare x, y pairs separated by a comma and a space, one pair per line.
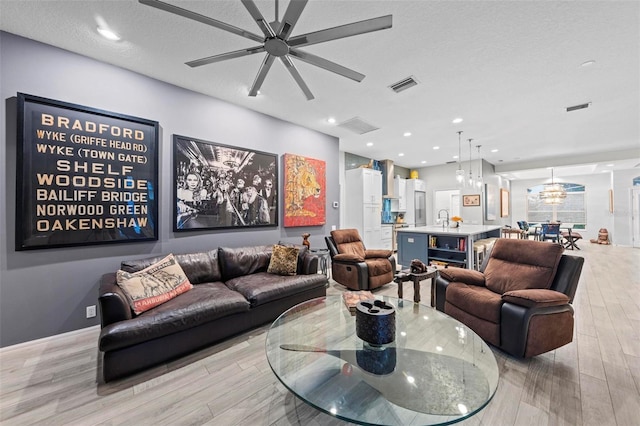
622, 185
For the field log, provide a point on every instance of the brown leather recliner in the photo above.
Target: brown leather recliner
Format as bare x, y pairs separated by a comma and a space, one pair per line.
355, 267
520, 300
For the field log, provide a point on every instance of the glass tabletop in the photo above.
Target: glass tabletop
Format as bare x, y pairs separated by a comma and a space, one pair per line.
437, 371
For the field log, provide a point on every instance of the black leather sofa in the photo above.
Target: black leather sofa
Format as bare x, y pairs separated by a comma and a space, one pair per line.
232, 292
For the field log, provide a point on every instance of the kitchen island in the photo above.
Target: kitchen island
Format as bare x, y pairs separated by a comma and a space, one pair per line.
445, 245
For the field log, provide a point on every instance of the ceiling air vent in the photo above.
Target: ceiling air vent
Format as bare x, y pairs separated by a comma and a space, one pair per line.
404, 84
357, 125
577, 107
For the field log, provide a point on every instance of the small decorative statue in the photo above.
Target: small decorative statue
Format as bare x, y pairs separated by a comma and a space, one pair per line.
305, 240
603, 237
418, 267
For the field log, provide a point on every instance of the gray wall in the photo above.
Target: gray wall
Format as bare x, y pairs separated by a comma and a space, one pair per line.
45, 292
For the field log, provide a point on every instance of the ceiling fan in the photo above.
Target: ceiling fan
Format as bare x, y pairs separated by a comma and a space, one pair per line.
277, 42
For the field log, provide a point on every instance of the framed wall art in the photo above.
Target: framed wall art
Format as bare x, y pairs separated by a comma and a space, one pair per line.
504, 203
220, 186
304, 191
471, 200
84, 176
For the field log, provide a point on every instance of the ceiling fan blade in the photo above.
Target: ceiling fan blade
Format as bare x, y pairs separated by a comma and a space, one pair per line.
297, 77
262, 73
201, 18
225, 56
257, 16
342, 31
291, 17
327, 65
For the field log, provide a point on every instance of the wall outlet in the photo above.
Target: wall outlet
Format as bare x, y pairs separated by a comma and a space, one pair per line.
336, 205
91, 311
333, 227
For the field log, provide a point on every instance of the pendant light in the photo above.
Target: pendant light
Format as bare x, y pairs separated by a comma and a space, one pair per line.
479, 179
470, 183
460, 172
553, 193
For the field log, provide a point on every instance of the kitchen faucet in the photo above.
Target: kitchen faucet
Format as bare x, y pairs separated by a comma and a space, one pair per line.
445, 223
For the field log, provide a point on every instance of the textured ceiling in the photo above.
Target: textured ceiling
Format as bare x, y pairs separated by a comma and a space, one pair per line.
509, 68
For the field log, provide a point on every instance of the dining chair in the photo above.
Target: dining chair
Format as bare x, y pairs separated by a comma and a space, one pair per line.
550, 231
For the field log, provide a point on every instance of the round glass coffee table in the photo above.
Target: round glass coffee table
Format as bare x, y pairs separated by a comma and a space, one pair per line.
437, 371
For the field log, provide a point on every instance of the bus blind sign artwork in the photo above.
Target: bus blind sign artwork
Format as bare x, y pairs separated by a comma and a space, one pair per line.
84, 176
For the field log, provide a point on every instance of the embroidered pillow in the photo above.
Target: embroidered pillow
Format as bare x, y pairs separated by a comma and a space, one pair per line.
284, 260
154, 285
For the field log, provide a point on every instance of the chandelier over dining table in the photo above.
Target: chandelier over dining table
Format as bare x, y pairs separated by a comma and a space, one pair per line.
553, 193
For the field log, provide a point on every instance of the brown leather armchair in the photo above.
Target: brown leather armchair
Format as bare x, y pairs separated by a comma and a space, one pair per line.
355, 267
520, 300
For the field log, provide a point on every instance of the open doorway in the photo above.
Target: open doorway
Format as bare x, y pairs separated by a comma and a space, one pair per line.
448, 200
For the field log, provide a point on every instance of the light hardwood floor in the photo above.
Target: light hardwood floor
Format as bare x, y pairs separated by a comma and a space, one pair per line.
595, 380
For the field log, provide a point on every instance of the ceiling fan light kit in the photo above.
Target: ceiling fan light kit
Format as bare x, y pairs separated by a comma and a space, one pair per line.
277, 41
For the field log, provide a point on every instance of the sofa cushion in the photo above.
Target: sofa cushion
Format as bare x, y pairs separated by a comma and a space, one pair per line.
377, 253
378, 266
237, 262
262, 287
521, 264
302, 252
477, 301
348, 241
201, 267
284, 260
463, 275
536, 298
154, 285
204, 303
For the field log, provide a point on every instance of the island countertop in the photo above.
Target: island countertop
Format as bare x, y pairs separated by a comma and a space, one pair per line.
462, 230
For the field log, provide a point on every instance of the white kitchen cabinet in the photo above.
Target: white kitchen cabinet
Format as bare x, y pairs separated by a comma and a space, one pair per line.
386, 240
400, 191
363, 206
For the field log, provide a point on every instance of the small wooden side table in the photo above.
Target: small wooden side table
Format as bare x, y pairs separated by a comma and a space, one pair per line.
406, 275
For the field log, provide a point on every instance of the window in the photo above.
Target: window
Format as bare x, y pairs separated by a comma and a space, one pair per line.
572, 210
636, 181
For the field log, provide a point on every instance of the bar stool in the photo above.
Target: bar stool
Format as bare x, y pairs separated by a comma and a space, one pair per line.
479, 250
488, 245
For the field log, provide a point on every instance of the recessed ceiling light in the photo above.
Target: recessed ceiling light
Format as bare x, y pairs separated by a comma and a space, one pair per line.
588, 63
423, 162
331, 120
455, 156
457, 120
494, 150
108, 34
401, 154
407, 134
369, 143
436, 147
609, 165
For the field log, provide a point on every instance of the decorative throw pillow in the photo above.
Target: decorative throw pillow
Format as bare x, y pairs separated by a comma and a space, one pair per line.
284, 260
153, 285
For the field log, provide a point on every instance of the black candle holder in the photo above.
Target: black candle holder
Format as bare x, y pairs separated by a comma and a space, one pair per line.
376, 322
